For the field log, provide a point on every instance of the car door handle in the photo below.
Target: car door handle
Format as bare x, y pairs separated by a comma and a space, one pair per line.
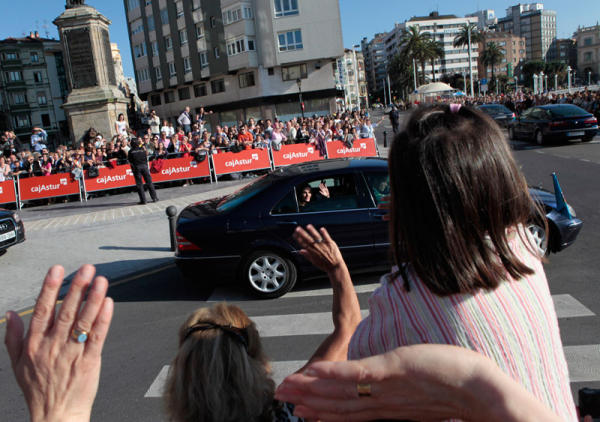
379, 214
287, 223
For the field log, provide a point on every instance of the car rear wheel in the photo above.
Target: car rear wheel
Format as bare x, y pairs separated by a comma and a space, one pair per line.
540, 237
269, 274
539, 137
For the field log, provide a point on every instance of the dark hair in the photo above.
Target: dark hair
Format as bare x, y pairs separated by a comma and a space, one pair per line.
456, 189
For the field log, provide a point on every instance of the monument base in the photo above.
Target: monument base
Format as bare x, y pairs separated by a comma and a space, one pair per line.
96, 108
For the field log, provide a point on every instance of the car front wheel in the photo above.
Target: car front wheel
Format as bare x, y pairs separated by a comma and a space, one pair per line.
540, 238
269, 274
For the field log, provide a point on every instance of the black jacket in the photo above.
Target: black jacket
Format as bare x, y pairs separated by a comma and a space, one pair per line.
137, 157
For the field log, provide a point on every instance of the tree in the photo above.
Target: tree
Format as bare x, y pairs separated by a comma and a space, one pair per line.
491, 55
433, 50
400, 70
414, 46
468, 35
529, 69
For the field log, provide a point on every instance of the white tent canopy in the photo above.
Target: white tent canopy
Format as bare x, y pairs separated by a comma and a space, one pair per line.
434, 88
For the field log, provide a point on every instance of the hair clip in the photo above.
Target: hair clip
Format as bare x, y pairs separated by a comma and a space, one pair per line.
239, 334
454, 108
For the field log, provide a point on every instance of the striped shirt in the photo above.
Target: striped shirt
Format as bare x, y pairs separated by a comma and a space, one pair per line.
515, 325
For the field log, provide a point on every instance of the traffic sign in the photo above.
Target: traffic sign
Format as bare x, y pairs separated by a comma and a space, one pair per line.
484, 81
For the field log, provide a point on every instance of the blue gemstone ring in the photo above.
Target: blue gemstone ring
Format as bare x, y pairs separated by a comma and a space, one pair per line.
79, 336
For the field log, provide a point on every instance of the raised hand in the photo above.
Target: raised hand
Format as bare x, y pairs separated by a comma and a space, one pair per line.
319, 248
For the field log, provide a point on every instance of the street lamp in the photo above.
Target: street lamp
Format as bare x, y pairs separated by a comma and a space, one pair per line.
546, 82
555, 81
589, 78
299, 82
354, 47
569, 70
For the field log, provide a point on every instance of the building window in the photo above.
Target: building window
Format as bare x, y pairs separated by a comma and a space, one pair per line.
155, 100
164, 16
158, 73
199, 30
19, 98
137, 26
236, 46
200, 90
271, 71
231, 16
286, 8
34, 57
11, 56
187, 65
251, 45
246, 79
195, 4
587, 41
291, 73
248, 14
182, 37
45, 120
143, 75
139, 50
14, 76
290, 40
203, 59
172, 70
168, 43
37, 77
133, 4
155, 48
41, 98
213, 21
216, 52
148, 2
150, 23
218, 85
169, 97
22, 120
587, 57
179, 7
184, 93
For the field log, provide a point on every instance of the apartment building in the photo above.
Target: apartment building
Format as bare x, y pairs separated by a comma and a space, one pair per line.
238, 58
350, 77
536, 24
486, 19
564, 50
513, 49
376, 61
588, 53
33, 87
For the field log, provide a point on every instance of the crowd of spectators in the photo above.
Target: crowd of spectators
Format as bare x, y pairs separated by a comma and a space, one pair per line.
191, 137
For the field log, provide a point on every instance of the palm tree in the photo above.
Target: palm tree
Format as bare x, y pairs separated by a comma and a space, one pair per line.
466, 37
413, 44
433, 50
491, 55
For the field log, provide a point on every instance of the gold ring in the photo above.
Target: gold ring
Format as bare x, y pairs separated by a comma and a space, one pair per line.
364, 390
80, 336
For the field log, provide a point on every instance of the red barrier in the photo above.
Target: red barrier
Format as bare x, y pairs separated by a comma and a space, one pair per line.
295, 153
247, 160
110, 178
40, 187
361, 148
7, 192
182, 168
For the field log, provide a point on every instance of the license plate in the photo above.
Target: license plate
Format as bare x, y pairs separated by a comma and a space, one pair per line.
7, 236
575, 133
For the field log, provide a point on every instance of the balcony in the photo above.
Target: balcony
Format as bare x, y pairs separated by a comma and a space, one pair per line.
12, 63
19, 107
15, 84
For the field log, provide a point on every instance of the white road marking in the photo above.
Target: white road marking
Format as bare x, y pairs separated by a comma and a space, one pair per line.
584, 362
157, 387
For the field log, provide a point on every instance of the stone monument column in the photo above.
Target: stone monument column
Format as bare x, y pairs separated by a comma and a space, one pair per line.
94, 99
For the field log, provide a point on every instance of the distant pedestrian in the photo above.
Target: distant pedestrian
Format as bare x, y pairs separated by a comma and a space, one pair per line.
139, 165
185, 120
395, 119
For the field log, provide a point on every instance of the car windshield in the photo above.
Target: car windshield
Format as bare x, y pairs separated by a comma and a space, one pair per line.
496, 109
567, 110
245, 193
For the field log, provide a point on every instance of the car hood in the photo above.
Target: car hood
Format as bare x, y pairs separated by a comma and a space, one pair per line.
548, 198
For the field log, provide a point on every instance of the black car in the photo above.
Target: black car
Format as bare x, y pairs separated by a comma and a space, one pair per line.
501, 114
248, 234
11, 229
554, 122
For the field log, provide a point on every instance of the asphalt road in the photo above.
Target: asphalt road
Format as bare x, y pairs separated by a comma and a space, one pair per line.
150, 308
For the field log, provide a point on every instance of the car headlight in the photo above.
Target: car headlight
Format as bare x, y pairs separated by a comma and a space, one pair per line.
571, 211
16, 217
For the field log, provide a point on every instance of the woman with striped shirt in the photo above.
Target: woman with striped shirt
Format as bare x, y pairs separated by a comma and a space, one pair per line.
466, 272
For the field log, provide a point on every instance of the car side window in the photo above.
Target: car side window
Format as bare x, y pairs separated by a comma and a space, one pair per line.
287, 205
329, 193
379, 185
527, 114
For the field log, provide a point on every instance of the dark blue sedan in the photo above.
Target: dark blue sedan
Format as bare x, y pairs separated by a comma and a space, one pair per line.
11, 229
554, 122
248, 235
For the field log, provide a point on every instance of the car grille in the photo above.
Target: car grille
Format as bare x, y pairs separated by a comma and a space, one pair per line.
7, 226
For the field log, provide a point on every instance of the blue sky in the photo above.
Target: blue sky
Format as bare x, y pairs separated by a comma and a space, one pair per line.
360, 18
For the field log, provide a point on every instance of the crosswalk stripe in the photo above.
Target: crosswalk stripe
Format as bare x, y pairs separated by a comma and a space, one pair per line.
583, 361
